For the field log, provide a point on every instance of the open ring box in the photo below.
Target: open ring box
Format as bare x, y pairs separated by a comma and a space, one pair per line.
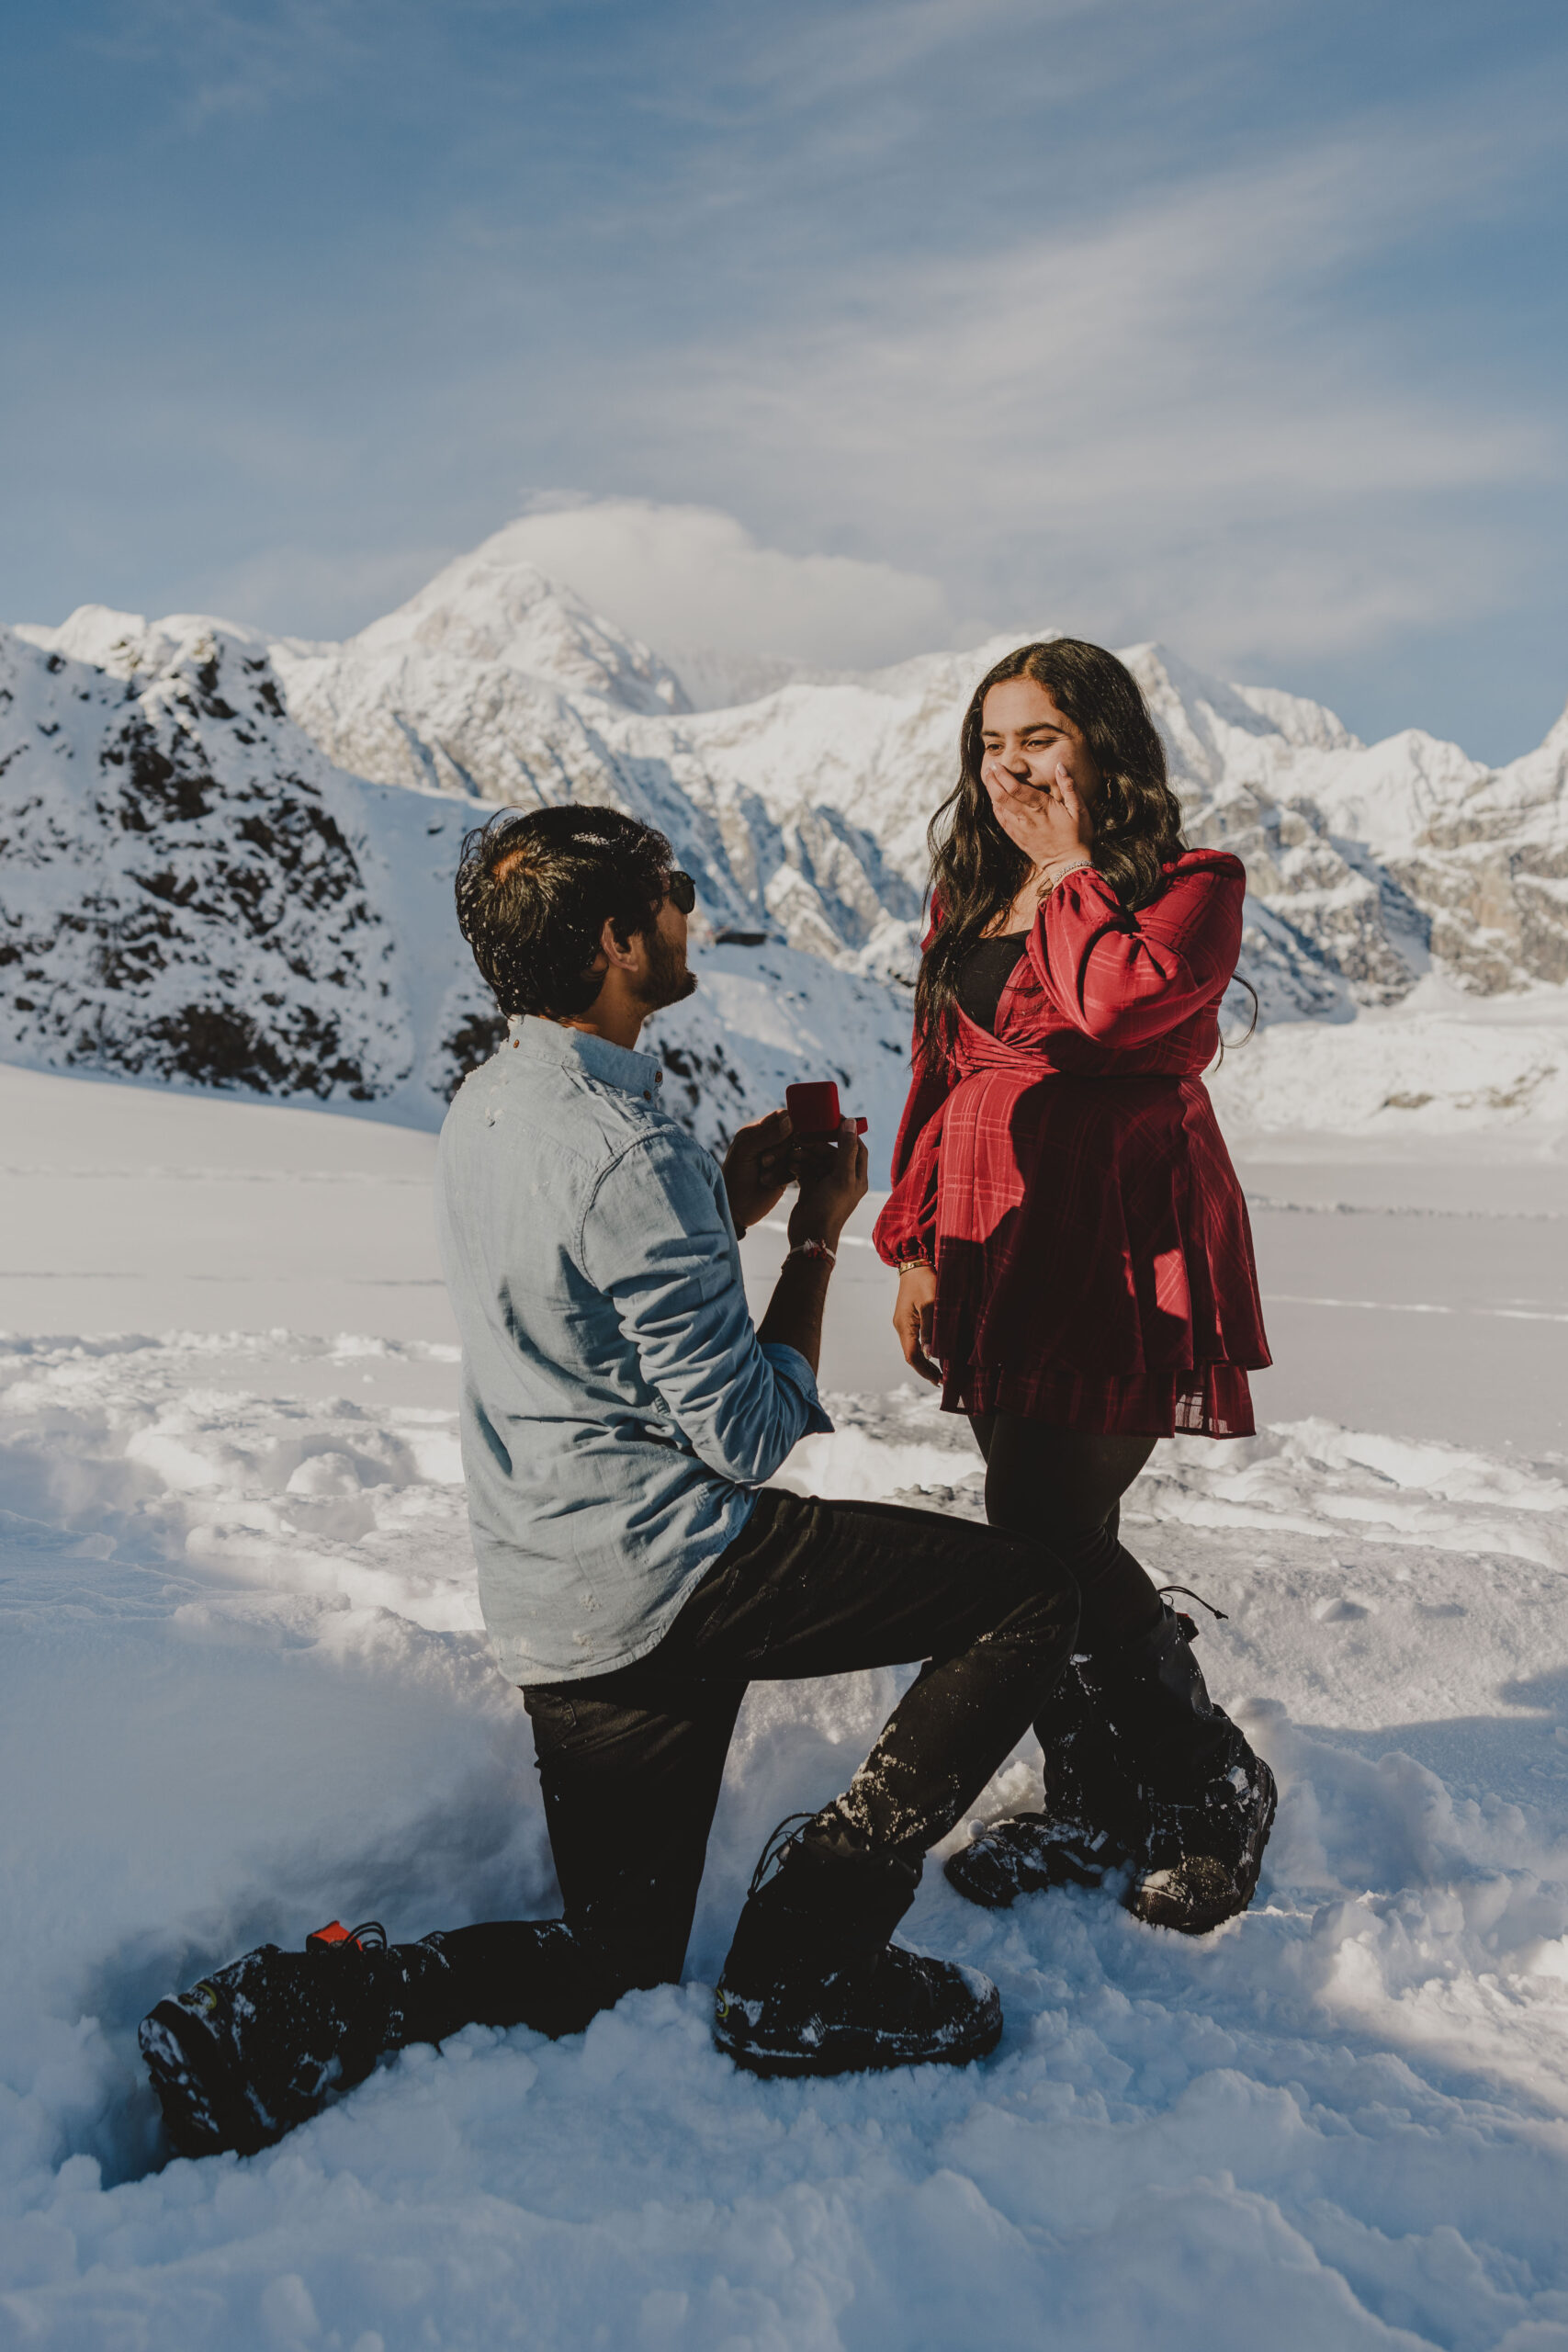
814, 1110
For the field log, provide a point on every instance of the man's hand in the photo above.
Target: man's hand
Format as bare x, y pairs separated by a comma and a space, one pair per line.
913, 1313
832, 1172
757, 1168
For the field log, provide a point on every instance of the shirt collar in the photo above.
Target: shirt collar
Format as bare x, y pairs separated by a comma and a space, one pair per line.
546, 1040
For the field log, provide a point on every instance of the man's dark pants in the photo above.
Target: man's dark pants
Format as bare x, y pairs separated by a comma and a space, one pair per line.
631, 1762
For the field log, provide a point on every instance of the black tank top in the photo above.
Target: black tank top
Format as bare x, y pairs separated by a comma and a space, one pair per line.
985, 973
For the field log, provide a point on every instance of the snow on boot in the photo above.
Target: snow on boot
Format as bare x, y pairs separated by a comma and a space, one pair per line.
1206, 1799
1204, 1845
1144, 1774
813, 1986
1067, 1844
1026, 1854
506, 1973
265, 2043
260, 2045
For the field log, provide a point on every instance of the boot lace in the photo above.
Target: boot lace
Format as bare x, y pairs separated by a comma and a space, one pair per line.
773, 1853
1220, 1614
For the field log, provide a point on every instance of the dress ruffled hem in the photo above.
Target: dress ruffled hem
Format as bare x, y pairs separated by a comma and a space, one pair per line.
1211, 1400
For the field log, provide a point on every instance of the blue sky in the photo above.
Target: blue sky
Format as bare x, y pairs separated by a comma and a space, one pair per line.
1234, 322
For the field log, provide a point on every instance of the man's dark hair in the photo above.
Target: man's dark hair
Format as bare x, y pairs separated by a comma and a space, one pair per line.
535, 888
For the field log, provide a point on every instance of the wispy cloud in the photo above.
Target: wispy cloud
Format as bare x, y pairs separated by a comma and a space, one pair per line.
1144, 414
1225, 322
687, 577
305, 591
222, 59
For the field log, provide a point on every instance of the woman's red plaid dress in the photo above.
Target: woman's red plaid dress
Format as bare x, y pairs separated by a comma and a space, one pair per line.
1069, 1181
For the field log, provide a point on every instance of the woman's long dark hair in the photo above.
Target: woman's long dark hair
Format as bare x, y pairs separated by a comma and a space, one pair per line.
976, 870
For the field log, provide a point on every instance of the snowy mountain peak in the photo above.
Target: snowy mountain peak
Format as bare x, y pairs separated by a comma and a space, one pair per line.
197, 884
126, 644
496, 607
805, 810
185, 878
1540, 777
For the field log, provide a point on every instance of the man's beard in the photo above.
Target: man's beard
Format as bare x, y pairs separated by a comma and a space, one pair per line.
668, 978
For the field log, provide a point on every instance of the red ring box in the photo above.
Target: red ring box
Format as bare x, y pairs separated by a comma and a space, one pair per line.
813, 1108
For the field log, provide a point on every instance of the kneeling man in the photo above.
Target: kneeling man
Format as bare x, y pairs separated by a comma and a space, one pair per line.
621, 1419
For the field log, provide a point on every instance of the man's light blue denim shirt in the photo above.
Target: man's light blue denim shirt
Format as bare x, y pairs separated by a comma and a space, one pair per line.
619, 1412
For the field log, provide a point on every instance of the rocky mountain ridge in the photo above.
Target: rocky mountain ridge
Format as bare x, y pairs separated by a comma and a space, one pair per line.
226, 862
806, 809
192, 893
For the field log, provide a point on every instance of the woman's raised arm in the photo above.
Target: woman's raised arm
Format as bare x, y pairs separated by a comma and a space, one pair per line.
1123, 978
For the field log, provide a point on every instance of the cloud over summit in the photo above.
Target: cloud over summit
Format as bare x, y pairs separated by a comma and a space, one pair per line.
687, 577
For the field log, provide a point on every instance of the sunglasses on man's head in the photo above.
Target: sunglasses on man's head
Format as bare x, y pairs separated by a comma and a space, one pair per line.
683, 890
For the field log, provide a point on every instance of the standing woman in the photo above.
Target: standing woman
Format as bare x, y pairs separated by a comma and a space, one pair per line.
1073, 1248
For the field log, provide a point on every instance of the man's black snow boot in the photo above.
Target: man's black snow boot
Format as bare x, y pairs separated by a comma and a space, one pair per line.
1145, 1776
812, 1985
265, 2043
260, 2045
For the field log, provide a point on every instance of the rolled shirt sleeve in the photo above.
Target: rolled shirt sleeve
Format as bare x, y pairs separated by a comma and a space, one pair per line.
789, 1364
658, 1241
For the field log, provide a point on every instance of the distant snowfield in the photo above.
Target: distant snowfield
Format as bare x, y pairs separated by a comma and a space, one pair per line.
1441, 1063
244, 1691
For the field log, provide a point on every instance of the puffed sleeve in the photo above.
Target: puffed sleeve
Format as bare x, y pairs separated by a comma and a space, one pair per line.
1124, 979
906, 1227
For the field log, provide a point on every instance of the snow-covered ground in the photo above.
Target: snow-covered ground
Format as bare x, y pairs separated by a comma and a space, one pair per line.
244, 1691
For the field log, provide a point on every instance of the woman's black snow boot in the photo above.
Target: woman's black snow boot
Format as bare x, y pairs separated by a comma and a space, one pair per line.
1144, 1774
1068, 1844
813, 1986
266, 2043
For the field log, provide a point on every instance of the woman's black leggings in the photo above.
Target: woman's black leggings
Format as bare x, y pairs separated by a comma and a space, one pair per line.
1063, 1488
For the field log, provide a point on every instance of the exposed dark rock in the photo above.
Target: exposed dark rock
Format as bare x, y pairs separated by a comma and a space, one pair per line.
187, 885
470, 1046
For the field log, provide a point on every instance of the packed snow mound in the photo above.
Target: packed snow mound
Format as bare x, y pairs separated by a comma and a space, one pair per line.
190, 891
247, 1692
